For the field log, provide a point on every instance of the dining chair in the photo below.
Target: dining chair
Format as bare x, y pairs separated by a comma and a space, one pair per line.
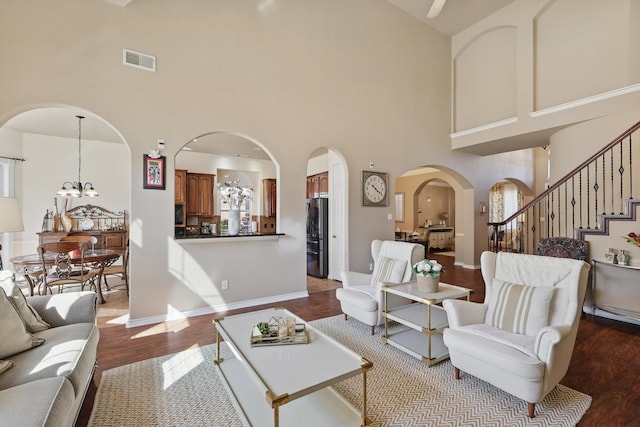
121, 270
62, 271
93, 240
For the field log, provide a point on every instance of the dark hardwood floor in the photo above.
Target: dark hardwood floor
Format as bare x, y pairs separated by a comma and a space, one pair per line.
605, 363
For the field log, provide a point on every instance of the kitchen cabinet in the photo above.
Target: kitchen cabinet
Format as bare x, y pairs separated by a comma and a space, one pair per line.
323, 184
269, 196
181, 186
318, 185
199, 194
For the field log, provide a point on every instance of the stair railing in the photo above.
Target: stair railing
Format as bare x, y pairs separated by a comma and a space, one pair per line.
582, 202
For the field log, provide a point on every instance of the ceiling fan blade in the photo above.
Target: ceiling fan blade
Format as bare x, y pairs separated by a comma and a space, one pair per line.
436, 8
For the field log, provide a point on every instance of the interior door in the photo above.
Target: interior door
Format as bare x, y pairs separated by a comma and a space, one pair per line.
337, 218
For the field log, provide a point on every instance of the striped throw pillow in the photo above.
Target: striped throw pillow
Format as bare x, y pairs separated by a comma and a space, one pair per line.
388, 270
519, 308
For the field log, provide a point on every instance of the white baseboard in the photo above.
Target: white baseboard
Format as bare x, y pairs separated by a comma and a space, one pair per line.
131, 323
468, 266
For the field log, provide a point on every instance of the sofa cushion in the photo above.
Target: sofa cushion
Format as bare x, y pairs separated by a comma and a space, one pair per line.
388, 270
47, 402
519, 308
32, 319
358, 296
485, 351
69, 351
14, 337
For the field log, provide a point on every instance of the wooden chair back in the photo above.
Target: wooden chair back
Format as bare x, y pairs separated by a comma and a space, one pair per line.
62, 272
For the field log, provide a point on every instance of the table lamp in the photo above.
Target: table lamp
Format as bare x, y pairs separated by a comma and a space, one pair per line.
10, 218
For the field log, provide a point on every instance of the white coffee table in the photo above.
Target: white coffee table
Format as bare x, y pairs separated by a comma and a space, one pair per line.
426, 319
289, 384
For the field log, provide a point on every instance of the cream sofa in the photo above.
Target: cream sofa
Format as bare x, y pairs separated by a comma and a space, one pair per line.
47, 383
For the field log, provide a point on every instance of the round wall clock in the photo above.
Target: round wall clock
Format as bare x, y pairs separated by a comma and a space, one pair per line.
375, 188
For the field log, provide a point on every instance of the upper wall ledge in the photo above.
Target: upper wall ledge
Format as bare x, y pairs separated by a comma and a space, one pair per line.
526, 131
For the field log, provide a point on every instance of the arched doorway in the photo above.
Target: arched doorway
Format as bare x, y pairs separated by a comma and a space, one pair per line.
326, 188
47, 138
457, 204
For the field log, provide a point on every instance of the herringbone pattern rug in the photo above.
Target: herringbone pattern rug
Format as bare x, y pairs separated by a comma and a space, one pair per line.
184, 390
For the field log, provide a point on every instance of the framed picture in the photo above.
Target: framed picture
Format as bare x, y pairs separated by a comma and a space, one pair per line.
399, 207
154, 173
375, 188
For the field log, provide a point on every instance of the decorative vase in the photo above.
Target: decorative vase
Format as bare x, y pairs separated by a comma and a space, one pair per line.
64, 218
428, 283
622, 258
57, 224
234, 222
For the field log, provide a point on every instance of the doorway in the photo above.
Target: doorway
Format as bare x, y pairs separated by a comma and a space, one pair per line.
326, 241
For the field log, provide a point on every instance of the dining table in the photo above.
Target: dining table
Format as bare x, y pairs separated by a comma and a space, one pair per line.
30, 266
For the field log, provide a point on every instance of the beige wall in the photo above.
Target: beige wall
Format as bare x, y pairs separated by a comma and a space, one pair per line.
535, 66
359, 77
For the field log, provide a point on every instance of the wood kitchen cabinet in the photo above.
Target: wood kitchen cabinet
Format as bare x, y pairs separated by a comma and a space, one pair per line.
181, 186
269, 196
199, 194
323, 184
318, 185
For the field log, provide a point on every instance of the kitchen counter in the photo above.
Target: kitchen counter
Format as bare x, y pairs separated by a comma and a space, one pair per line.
215, 238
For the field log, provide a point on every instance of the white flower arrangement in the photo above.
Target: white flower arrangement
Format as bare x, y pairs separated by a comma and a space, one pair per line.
428, 267
234, 194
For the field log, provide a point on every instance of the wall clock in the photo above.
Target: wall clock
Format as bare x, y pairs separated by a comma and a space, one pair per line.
375, 186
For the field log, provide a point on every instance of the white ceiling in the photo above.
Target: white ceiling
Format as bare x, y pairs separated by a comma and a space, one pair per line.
455, 16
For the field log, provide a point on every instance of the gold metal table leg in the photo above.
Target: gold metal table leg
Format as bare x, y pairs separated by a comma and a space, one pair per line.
366, 365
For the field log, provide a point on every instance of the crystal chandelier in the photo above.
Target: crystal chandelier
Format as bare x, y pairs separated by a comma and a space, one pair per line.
76, 188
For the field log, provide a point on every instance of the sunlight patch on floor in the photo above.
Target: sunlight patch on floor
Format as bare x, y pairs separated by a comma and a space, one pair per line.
120, 320
180, 365
164, 327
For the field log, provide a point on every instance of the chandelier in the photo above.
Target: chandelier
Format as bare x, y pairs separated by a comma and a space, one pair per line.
76, 188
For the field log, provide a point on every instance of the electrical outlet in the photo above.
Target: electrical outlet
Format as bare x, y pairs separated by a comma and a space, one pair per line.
371, 267
225, 284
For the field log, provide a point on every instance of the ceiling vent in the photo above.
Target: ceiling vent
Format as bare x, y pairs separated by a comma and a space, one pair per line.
139, 60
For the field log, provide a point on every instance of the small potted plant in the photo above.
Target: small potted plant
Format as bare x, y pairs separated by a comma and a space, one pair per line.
428, 274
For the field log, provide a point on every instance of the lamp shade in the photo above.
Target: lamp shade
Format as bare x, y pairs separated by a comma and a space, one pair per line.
10, 218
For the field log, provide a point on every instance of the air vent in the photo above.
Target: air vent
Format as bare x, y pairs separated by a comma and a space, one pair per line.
139, 60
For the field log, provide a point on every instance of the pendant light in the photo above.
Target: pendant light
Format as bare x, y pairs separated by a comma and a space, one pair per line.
76, 188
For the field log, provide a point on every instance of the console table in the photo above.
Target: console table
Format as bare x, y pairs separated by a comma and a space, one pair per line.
614, 291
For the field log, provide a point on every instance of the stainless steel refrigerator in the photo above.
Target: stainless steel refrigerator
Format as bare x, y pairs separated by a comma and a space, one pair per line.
318, 237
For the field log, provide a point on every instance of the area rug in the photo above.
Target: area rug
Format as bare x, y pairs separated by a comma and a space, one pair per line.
184, 389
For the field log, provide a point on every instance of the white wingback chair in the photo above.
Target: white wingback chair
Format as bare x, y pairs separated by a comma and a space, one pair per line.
361, 295
522, 337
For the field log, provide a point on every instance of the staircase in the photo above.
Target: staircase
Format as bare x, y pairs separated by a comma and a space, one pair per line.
584, 201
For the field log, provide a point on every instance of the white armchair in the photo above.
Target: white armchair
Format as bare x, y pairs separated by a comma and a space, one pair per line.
361, 295
522, 337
